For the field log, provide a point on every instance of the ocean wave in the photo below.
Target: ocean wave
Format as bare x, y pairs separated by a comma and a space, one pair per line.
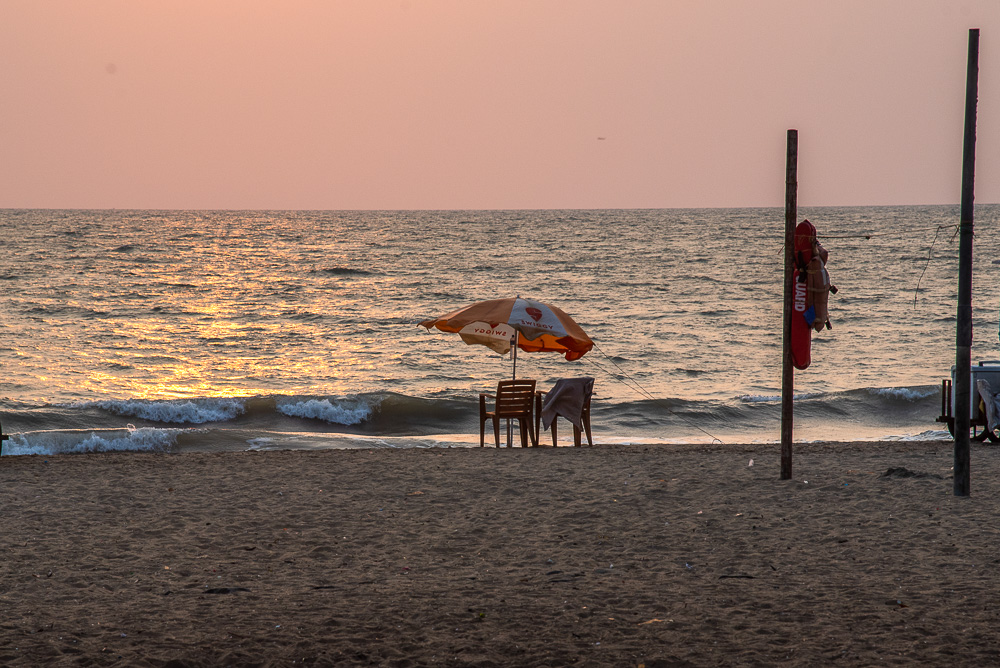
905, 393
346, 412
927, 435
325, 421
193, 411
774, 398
341, 271
71, 441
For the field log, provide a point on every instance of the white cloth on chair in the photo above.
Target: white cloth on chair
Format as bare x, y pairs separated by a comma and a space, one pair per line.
990, 402
567, 398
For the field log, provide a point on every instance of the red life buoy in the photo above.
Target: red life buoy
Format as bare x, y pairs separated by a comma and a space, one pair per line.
810, 292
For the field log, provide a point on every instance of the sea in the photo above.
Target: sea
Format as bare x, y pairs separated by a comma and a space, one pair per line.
185, 331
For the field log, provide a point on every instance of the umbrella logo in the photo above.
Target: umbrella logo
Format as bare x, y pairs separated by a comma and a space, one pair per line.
535, 313
490, 332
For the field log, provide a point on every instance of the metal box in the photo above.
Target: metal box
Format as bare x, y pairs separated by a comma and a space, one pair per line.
986, 370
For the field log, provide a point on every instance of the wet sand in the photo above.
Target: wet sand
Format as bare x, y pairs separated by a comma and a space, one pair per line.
607, 556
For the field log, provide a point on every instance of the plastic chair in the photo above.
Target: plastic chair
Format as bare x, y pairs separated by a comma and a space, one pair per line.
570, 398
514, 401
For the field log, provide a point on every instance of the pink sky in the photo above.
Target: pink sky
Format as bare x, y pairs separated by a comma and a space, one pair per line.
480, 104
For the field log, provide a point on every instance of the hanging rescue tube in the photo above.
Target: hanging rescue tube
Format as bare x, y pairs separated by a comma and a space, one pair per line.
810, 292
801, 328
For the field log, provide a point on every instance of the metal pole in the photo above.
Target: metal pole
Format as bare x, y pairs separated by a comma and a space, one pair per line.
963, 329
787, 372
513, 376
513, 355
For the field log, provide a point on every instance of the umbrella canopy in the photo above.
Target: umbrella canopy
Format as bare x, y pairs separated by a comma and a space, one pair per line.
539, 327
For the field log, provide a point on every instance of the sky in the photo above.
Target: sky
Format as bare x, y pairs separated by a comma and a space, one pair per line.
491, 104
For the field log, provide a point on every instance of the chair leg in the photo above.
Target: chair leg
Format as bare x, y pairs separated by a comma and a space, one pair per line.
576, 436
482, 420
496, 430
553, 428
524, 430
537, 410
586, 426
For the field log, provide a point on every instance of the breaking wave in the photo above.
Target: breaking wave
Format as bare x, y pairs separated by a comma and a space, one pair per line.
74, 441
350, 412
387, 419
180, 411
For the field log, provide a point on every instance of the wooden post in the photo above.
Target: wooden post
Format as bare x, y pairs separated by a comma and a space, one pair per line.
787, 372
963, 328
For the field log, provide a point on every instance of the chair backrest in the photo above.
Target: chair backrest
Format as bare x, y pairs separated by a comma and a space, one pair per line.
515, 396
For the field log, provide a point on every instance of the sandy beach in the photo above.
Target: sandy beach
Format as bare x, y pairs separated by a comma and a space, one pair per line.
606, 556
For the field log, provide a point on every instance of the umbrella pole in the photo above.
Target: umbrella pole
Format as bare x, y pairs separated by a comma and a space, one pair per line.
513, 356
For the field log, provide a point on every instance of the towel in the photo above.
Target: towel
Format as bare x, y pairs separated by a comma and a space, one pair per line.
989, 402
567, 398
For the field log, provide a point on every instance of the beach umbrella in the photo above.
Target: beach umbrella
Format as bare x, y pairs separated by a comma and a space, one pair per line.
499, 323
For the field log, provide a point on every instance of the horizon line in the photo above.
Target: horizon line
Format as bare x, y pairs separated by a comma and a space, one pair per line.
456, 209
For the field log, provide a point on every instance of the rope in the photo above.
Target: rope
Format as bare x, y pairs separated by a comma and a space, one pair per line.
634, 385
869, 235
937, 231
930, 252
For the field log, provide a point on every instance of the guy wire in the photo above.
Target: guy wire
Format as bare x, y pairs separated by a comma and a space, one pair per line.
634, 384
869, 235
930, 252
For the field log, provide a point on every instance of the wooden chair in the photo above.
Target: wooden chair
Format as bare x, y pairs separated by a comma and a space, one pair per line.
514, 401
585, 388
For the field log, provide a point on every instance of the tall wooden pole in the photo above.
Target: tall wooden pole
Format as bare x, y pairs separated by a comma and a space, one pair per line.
787, 372
963, 329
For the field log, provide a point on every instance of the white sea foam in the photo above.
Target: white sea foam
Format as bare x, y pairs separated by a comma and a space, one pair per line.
906, 393
73, 441
344, 411
928, 435
178, 411
759, 399
766, 399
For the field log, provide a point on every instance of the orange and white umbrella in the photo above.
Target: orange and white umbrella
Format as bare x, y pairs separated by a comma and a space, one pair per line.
538, 327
